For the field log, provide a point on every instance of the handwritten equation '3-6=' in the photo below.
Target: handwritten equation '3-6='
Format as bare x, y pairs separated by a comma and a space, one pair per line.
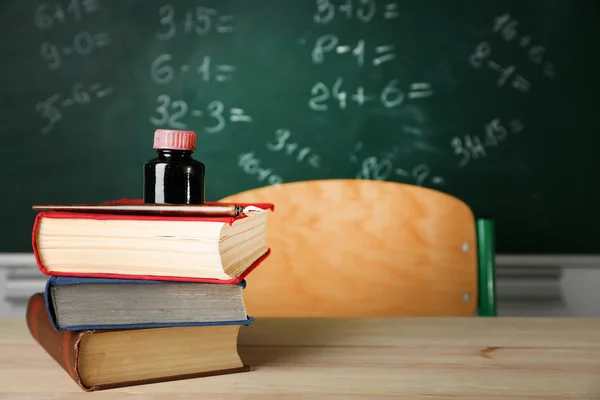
169, 113
81, 95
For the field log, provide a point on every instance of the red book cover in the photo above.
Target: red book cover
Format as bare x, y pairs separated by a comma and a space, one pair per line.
72, 215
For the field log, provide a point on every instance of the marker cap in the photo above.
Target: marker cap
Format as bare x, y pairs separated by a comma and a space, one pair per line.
174, 139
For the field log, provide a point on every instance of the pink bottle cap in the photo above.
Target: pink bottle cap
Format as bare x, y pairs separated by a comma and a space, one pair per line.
174, 140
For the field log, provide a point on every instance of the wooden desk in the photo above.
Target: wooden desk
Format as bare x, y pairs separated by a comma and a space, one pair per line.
470, 358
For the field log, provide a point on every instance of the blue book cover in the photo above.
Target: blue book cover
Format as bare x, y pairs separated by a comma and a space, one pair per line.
55, 281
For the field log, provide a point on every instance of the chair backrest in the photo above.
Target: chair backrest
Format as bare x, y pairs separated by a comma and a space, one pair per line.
345, 248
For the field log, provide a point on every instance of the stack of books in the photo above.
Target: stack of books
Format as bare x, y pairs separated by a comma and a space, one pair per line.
142, 299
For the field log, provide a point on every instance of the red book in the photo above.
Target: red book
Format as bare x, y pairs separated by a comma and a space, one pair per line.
151, 247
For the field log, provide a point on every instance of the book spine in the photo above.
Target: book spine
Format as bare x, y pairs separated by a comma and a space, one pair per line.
34, 236
63, 347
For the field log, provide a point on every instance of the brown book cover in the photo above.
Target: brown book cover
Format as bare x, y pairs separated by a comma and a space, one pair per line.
63, 347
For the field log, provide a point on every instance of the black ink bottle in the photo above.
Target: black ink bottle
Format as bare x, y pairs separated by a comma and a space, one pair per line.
174, 176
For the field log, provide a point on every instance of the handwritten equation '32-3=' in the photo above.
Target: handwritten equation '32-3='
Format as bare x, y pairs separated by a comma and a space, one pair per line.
392, 95
81, 95
169, 113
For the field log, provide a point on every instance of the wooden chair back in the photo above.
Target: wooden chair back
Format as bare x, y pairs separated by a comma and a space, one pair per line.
343, 248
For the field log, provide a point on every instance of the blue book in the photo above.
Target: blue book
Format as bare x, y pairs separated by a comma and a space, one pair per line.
75, 304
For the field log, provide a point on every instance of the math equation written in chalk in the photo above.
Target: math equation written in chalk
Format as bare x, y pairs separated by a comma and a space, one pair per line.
331, 47
66, 40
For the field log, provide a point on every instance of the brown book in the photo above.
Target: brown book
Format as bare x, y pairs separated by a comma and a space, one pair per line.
107, 359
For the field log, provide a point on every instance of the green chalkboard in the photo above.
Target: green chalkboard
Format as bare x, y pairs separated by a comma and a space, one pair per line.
491, 101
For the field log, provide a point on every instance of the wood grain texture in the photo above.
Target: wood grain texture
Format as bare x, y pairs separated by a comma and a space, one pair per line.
358, 358
363, 248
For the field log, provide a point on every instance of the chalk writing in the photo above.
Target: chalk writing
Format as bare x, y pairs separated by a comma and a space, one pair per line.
162, 71
83, 44
392, 95
473, 147
200, 21
479, 59
48, 14
507, 27
372, 168
170, 113
81, 94
283, 142
361, 10
331, 44
251, 165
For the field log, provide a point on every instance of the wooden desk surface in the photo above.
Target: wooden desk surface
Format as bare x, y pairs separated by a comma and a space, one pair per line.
450, 358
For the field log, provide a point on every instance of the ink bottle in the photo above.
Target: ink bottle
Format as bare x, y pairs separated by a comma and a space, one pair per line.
173, 176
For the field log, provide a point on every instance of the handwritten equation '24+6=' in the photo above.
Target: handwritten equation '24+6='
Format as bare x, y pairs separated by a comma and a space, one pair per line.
392, 95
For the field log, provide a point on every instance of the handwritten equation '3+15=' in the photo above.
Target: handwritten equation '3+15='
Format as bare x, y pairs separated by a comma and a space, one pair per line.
81, 95
169, 112
199, 21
